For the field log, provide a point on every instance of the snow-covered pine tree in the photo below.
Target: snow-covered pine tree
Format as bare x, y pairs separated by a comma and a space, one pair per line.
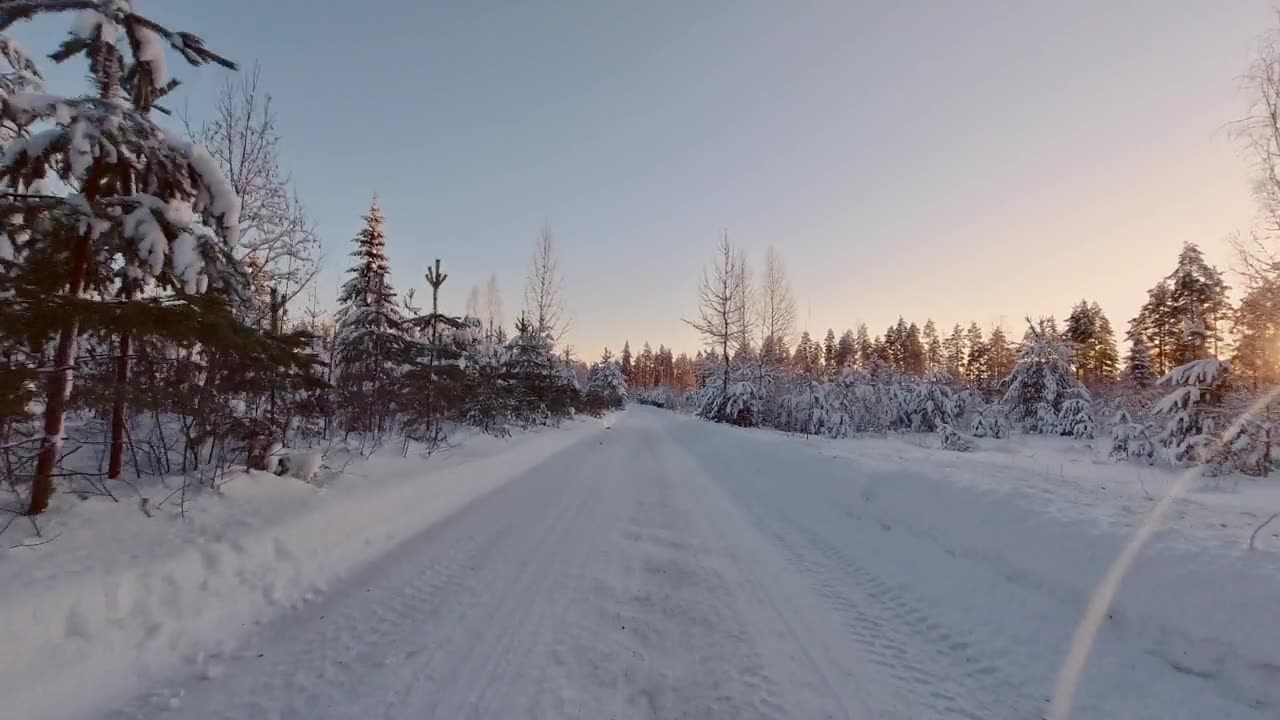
1138, 369
540, 391
1042, 393
1192, 411
810, 409
1130, 439
130, 208
371, 349
951, 439
606, 389
990, 422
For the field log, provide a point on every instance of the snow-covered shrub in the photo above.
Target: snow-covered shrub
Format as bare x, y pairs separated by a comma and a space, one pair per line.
990, 422
812, 410
920, 405
953, 440
1075, 417
661, 397
1250, 449
1130, 439
738, 405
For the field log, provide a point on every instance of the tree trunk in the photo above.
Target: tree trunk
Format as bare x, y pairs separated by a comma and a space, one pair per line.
59, 387
116, 462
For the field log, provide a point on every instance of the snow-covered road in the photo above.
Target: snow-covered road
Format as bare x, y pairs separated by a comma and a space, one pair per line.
667, 569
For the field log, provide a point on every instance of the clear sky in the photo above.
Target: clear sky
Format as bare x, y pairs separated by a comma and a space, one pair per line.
965, 160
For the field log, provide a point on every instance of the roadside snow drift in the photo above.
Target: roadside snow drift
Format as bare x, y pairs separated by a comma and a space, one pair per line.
119, 598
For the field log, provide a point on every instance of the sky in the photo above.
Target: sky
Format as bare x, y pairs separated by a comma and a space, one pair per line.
978, 160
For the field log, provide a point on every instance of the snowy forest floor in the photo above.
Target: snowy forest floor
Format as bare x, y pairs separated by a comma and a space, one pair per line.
667, 568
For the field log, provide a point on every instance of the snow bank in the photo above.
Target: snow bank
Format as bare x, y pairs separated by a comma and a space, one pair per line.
118, 598
1036, 517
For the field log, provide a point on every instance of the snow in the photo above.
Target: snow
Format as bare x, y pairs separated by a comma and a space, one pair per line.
151, 51
187, 263
221, 200
668, 567
119, 598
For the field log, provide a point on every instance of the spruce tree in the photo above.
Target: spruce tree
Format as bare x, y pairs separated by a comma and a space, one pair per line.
133, 209
371, 347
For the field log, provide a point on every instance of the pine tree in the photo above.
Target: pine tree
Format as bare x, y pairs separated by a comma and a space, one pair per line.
1000, 356
1197, 294
975, 363
932, 346
1193, 409
371, 345
1081, 332
866, 350
1161, 325
1256, 357
646, 369
606, 388
1105, 357
913, 352
829, 352
624, 363
953, 351
846, 350
1138, 366
807, 352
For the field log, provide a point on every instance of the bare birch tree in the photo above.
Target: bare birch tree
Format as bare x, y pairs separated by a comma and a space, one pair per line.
278, 242
493, 310
472, 307
776, 309
544, 289
723, 316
